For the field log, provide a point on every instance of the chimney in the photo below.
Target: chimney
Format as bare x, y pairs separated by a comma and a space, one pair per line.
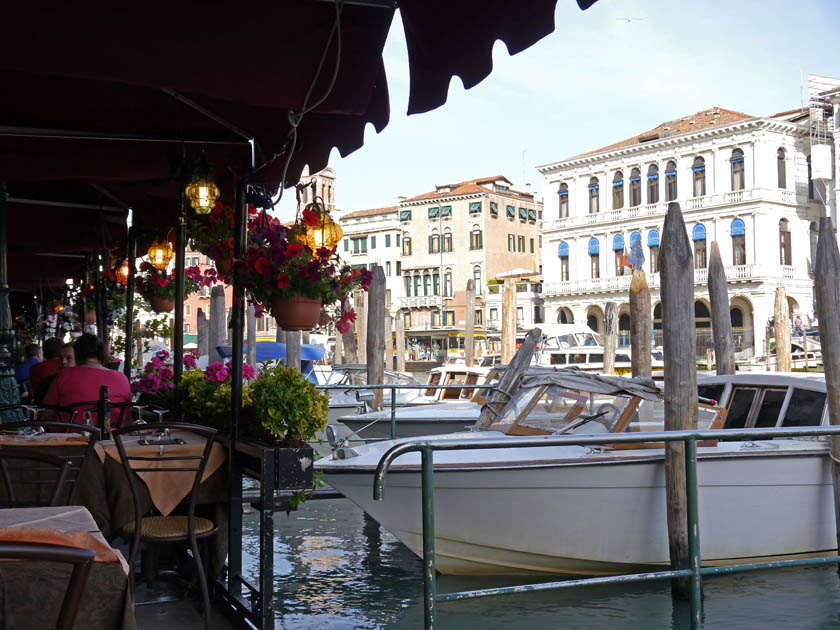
400, 199
528, 188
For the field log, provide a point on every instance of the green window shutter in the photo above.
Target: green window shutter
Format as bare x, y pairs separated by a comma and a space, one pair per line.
387, 240
398, 239
446, 211
494, 209
475, 207
405, 215
346, 244
511, 212
433, 212
480, 240
430, 244
532, 215
373, 242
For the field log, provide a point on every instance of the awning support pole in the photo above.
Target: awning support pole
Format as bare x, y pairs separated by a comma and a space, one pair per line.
8, 386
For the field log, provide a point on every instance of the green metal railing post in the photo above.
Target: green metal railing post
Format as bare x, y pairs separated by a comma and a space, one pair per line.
691, 489
393, 411
429, 589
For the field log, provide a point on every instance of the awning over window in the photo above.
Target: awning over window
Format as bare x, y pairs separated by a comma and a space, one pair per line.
563, 250
405, 215
738, 228
523, 213
618, 242
511, 212
653, 238
699, 232
532, 215
433, 212
494, 208
446, 211
594, 246
635, 238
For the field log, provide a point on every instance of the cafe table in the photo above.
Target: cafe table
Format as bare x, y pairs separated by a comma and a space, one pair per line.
31, 592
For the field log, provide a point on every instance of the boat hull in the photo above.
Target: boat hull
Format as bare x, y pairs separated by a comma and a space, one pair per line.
605, 517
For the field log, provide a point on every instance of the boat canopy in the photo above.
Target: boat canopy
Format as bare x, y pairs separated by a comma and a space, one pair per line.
274, 350
573, 378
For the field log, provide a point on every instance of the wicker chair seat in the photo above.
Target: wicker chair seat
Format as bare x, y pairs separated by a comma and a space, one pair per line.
170, 527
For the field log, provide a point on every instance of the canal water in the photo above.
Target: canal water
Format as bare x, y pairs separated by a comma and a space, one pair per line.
338, 570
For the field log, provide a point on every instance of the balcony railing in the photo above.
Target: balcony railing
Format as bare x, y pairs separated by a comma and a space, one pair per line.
421, 301
694, 203
736, 273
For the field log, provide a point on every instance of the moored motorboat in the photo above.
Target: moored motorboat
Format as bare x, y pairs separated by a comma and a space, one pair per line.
601, 510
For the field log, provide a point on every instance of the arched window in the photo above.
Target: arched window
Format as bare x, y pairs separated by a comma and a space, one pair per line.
624, 330
739, 249
564, 316
737, 167
618, 249
593, 195
477, 279
653, 184
781, 175
434, 243
635, 239
699, 169
563, 254
784, 243
406, 245
563, 194
657, 318
810, 181
671, 181
447, 283
476, 240
702, 316
618, 191
635, 188
698, 235
594, 258
736, 317
653, 244
447, 240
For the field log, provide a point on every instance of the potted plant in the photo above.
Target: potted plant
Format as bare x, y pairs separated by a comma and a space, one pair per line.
158, 287
212, 235
205, 395
299, 285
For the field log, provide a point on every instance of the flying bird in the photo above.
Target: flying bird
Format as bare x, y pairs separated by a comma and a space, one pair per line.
629, 19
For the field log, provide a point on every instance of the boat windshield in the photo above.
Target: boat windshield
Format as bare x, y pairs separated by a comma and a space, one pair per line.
453, 378
346, 376
577, 340
434, 379
547, 409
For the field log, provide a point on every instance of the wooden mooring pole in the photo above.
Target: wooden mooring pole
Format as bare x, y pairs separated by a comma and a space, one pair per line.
827, 293
469, 339
508, 321
375, 337
218, 323
611, 338
721, 320
360, 299
640, 321
400, 333
679, 344
781, 316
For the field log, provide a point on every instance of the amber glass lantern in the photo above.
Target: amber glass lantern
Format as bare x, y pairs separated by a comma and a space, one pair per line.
326, 234
160, 253
202, 191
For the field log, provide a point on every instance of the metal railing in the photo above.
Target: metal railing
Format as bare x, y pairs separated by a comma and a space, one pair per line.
427, 448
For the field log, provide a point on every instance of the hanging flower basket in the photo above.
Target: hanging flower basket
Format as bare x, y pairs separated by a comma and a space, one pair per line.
90, 317
224, 264
161, 304
297, 312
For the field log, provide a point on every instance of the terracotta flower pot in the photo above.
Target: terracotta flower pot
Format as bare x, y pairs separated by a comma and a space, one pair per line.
297, 312
161, 304
224, 264
90, 317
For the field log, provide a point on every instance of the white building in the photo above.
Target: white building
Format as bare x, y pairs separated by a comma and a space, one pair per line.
372, 237
742, 181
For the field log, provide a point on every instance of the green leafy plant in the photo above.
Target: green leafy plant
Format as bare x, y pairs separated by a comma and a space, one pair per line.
207, 400
288, 405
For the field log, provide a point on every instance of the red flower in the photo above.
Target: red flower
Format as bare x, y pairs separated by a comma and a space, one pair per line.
262, 267
282, 280
293, 250
310, 218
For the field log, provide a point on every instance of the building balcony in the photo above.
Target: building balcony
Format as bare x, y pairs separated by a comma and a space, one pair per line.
423, 301
734, 274
788, 197
521, 287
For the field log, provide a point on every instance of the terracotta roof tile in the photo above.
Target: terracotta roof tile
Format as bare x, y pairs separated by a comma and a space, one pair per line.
358, 214
713, 117
473, 186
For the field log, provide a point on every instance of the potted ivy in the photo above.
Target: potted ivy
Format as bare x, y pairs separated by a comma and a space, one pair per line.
158, 287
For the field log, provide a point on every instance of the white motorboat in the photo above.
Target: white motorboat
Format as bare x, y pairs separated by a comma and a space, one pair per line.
348, 401
569, 345
601, 510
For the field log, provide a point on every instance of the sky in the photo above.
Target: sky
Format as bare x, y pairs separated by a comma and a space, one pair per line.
604, 74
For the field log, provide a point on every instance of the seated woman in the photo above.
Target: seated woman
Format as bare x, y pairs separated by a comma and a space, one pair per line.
81, 383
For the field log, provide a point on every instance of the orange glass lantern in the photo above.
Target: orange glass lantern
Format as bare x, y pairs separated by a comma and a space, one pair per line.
122, 272
326, 234
202, 190
160, 253
58, 307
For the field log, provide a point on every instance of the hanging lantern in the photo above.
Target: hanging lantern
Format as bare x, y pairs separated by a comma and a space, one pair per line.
122, 272
326, 234
160, 253
202, 191
58, 307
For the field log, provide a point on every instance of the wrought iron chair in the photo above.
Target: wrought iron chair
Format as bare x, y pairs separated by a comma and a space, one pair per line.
77, 461
81, 559
173, 528
44, 474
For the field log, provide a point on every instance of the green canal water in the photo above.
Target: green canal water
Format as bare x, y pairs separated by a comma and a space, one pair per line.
338, 570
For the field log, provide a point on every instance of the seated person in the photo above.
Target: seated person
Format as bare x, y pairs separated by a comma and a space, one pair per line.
81, 383
48, 366
66, 359
31, 356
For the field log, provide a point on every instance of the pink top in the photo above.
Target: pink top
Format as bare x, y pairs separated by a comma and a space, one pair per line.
81, 384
